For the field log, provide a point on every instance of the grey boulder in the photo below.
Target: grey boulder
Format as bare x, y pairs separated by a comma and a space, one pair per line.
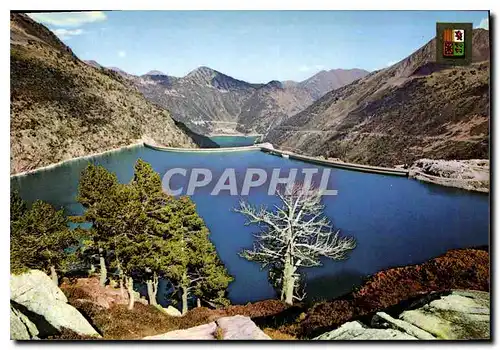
47, 304
21, 328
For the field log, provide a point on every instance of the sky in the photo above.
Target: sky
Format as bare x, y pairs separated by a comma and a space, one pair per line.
255, 46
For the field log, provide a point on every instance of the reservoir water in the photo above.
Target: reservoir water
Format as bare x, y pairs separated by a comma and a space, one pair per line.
234, 141
396, 221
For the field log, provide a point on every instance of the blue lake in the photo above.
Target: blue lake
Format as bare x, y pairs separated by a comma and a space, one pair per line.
396, 221
234, 141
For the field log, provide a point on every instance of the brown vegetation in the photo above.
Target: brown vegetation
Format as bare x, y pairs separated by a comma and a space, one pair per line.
90, 290
457, 269
277, 335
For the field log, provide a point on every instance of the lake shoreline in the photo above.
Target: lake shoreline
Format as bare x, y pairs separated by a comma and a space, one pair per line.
92, 155
470, 175
231, 135
416, 171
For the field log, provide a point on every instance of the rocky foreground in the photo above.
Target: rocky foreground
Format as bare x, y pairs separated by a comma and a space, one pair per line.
473, 174
461, 314
444, 298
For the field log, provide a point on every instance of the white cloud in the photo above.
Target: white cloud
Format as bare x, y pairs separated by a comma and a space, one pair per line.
68, 19
67, 33
122, 54
484, 24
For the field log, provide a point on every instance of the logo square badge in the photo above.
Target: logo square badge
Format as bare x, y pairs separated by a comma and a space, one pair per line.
454, 43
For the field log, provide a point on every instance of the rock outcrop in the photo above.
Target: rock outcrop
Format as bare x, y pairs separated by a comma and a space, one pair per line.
357, 331
45, 305
203, 332
240, 328
473, 175
226, 328
459, 315
21, 328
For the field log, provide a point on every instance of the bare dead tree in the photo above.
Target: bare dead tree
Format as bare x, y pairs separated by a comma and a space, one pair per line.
293, 235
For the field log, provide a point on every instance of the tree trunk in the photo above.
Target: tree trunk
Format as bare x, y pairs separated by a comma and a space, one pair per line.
104, 271
155, 286
289, 290
53, 275
122, 292
282, 297
151, 292
288, 282
92, 269
121, 277
184, 300
184, 291
198, 302
130, 289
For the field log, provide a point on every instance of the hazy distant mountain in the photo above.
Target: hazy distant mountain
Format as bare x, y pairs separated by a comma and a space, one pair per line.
62, 107
326, 81
210, 101
413, 109
155, 72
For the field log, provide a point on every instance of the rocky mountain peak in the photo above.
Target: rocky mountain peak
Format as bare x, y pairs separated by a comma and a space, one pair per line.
207, 76
274, 84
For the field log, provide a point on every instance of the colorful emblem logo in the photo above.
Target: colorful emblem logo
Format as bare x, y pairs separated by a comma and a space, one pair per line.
454, 43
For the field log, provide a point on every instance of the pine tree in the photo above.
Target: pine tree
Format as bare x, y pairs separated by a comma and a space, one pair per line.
148, 235
95, 192
18, 257
155, 243
201, 273
40, 237
17, 207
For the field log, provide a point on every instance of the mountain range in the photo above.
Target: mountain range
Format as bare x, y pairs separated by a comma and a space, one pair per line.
413, 109
209, 101
62, 107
